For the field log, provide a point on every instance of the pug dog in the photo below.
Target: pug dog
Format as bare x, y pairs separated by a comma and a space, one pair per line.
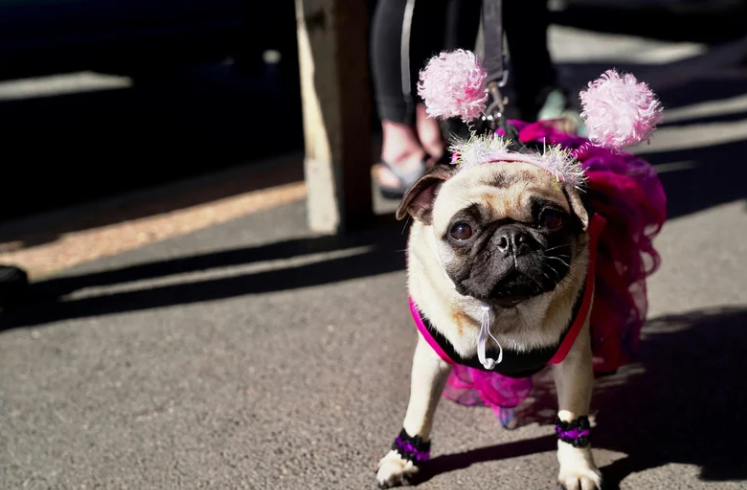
510, 241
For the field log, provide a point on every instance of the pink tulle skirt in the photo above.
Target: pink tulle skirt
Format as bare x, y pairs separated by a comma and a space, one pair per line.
627, 192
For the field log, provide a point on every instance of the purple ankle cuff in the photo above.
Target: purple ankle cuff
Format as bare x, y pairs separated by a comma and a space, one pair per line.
575, 433
412, 448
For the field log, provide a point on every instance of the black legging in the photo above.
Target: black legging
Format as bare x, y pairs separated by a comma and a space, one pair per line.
439, 25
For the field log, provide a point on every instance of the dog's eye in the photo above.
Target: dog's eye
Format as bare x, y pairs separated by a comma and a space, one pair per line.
551, 220
461, 231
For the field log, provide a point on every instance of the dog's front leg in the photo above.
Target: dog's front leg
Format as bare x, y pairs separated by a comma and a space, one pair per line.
412, 446
574, 378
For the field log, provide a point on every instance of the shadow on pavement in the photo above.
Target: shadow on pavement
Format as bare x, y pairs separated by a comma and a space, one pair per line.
73, 148
717, 176
660, 22
460, 461
681, 402
686, 405
383, 252
181, 195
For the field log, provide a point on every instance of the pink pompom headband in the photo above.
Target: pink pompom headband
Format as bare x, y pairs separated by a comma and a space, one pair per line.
618, 111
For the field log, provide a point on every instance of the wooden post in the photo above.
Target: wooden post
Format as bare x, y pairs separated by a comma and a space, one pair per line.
333, 57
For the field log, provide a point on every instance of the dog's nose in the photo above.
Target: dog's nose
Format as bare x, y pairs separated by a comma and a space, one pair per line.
512, 239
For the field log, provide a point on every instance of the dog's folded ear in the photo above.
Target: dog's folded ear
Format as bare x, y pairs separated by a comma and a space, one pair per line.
577, 206
418, 201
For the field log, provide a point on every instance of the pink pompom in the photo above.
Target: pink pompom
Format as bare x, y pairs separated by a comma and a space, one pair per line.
619, 111
453, 84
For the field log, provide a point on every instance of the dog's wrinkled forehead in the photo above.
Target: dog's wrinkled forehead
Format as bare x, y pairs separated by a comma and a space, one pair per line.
503, 190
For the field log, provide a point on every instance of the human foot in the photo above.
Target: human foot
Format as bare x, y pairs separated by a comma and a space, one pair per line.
429, 133
402, 157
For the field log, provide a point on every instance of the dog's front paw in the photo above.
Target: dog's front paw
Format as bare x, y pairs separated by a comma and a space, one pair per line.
577, 468
402, 462
580, 479
394, 470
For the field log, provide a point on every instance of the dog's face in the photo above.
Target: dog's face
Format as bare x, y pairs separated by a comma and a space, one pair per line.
504, 232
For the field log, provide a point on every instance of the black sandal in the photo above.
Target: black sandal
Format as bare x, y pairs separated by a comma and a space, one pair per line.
406, 179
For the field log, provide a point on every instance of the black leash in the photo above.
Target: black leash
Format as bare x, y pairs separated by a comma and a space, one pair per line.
494, 64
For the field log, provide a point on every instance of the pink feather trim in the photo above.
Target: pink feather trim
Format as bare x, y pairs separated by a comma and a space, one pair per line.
453, 85
619, 111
